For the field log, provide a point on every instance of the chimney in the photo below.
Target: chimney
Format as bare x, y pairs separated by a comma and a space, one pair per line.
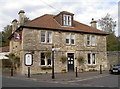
14, 25
93, 23
21, 17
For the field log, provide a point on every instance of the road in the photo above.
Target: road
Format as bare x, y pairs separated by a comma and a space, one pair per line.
100, 81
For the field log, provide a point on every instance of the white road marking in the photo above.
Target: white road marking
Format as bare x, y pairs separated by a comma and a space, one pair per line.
89, 78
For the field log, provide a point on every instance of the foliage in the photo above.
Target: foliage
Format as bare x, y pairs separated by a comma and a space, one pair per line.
63, 59
6, 63
107, 24
26, 20
14, 59
80, 59
4, 36
63, 69
7, 32
46, 67
47, 54
112, 43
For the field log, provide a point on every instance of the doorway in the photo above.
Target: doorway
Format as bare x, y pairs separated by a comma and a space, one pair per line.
70, 62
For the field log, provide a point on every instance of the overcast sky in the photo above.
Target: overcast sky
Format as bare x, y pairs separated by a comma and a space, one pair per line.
84, 10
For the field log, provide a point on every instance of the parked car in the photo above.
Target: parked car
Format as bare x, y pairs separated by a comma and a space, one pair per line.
115, 69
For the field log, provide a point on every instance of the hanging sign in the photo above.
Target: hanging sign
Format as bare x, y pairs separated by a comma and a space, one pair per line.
18, 36
28, 59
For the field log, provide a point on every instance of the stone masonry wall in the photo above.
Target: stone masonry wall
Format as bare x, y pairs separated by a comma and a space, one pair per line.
31, 42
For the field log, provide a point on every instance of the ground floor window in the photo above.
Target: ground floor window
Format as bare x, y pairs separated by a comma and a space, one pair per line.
45, 60
91, 58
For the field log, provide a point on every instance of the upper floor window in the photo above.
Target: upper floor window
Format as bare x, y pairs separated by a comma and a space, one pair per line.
49, 37
67, 20
93, 40
43, 37
67, 38
46, 37
88, 40
72, 38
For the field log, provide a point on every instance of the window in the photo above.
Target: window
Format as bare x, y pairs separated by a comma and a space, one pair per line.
45, 60
42, 59
72, 38
67, 20
49, 62
88, 40
46, 37
43, 37
67, 38
93, 40
91, 59
49, 37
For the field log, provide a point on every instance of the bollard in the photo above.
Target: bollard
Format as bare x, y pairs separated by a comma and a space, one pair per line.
100, 69
11, 71
28, 72
76, 72
110, 66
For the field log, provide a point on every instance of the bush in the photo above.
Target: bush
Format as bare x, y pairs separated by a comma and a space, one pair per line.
80, 59
63, 59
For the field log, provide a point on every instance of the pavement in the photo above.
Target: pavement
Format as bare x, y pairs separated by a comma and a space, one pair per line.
69, 76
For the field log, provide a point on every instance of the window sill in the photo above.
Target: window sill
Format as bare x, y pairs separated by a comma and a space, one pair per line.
46, 43
73, 44
91, 65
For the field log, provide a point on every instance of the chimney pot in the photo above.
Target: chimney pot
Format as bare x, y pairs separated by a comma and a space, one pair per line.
93, 23
21, 17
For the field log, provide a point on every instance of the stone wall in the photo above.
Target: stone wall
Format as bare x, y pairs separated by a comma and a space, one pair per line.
31, 42
113, 57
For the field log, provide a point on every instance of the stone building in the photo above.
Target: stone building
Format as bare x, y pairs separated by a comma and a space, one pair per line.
72, 39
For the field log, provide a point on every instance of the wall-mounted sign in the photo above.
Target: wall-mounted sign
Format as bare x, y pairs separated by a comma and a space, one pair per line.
28, 59
18, 36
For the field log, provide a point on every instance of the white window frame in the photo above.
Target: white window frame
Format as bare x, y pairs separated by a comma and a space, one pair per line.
49, 37
46, 60
94, 58
41, 37
42, 59
46, 37
67, 20
91, 59
93, 43
72, 39
88, 40
67, 38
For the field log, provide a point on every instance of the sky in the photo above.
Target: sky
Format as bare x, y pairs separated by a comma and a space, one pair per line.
83, 10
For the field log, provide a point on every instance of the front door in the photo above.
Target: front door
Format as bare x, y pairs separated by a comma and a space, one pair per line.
70, 62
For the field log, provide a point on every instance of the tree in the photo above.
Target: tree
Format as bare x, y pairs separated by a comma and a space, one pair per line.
112, 42
7, 32
15, 60
107, 24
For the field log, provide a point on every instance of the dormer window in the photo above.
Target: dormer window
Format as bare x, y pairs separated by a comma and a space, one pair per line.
67, 20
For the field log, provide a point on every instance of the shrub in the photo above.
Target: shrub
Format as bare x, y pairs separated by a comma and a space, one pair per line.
63, 59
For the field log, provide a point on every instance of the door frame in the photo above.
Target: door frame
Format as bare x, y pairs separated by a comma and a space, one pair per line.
73, 60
